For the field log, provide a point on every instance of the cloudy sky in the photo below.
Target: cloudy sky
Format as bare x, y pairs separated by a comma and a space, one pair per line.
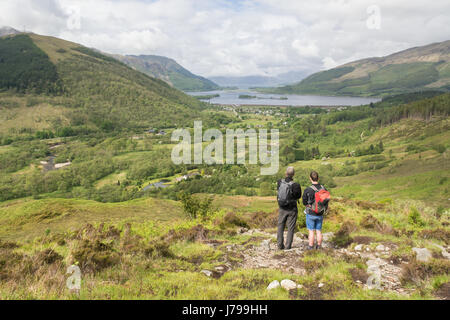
238, 37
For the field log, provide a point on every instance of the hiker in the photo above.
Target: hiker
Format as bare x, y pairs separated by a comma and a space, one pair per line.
289, 192
315, 199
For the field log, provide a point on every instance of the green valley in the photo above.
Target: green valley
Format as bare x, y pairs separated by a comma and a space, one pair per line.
87, 180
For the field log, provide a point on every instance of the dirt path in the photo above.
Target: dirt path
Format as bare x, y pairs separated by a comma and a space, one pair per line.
266, 255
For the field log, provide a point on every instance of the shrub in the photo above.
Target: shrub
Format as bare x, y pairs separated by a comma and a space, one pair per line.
439, 148
342, 238
194, 207
415, 217
231, 219
415, 272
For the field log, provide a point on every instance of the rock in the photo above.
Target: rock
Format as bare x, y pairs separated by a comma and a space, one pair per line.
299, 286
358, 247
242, 230
375, 262
327, 236
380, 247
444, 252
367, 249
219, 268
207, 273
266, 244
288, 284
422, 254
320, 285
274, 284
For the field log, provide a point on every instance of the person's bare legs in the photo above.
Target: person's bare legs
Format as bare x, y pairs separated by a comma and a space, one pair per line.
311, 237
319, 237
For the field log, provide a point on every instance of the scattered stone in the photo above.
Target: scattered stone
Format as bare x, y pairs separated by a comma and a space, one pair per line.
266, 244
380, 247
274, 284
242, 230
288, 284
327, 236
320, 285
358, 247
375, 262
299, 286
422, 254
367, 249
444, 252
207, 273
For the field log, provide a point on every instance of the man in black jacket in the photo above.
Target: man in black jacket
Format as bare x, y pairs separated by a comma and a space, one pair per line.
289, 212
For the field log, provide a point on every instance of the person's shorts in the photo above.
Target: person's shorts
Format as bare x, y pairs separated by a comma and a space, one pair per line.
314, 222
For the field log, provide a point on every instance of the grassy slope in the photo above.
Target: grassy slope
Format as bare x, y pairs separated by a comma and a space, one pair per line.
421, 176
26, 219
158, 277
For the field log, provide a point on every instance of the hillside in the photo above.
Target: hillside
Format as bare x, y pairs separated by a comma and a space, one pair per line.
386, 166
419, 68
169, 71
89, 91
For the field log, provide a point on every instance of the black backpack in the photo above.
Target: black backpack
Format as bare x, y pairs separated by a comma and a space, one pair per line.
285, 197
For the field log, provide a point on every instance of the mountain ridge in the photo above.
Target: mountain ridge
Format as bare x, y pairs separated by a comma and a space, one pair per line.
168, 70
417, 68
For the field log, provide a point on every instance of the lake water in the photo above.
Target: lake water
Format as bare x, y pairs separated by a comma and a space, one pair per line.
231, 97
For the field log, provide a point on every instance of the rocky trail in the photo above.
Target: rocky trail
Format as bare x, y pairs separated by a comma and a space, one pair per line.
383, 272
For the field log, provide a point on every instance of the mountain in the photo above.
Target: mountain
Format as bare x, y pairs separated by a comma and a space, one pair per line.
245, 82
86, 90
169, 71
5, 31
418, 68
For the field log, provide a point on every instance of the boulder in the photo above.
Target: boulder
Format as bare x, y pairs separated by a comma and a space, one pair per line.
207, 273
422, 254
274, 284
288, 284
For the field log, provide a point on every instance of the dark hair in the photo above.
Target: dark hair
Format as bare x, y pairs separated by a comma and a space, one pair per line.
314, 176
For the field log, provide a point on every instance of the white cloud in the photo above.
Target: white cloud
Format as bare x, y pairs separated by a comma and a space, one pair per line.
264, 37
305, 49
329, 63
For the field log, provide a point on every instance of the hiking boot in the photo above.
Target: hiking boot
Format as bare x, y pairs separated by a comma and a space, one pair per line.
317, 247
309, 247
